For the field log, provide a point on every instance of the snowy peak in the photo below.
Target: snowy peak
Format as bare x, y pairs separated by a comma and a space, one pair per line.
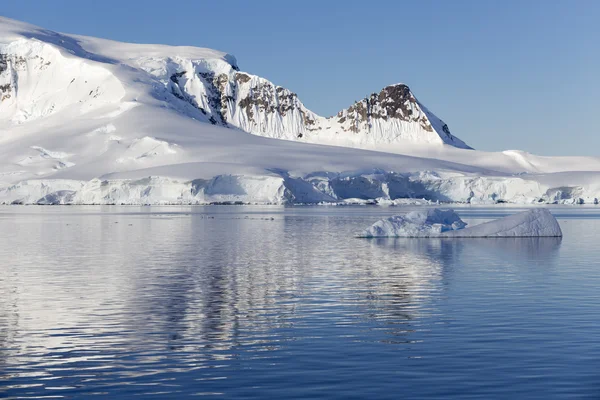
392, 102
395, 113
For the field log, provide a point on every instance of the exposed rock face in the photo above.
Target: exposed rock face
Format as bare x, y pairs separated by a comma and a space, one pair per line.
393, 115
216, 97
393, 102
7, 75
226, 96
10, 66
269, 110
253, 104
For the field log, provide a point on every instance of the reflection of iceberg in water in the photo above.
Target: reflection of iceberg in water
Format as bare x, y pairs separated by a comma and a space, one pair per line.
527, 248
450, 251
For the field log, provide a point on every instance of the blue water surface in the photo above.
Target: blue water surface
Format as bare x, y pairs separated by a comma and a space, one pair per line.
274, 302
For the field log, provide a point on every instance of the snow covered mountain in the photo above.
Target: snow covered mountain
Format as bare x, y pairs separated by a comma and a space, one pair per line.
86, 120
255, 105
36, 81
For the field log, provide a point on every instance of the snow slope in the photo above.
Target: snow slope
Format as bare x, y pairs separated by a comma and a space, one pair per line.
446, 223
93, 121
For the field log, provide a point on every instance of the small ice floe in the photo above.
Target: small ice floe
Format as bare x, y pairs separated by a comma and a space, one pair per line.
446, 223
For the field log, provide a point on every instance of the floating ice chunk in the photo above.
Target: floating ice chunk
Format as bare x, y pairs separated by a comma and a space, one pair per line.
426, 223
446, 223
531, 223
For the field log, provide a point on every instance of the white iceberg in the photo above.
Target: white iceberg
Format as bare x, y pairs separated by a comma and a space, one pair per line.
426, 223
446, 223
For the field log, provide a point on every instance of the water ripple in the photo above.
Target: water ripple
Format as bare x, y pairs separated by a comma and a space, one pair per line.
255, 302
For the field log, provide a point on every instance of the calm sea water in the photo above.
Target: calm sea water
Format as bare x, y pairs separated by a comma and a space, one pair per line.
273, 302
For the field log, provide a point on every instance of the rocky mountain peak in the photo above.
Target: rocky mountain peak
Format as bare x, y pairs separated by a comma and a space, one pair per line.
393, 102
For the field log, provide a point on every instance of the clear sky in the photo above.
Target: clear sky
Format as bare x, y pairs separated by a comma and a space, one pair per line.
503, 74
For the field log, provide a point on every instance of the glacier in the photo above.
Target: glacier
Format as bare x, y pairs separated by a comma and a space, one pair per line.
93, 121
446, 223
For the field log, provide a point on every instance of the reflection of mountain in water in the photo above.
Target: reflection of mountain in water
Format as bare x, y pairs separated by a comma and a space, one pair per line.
202, 286
242, 279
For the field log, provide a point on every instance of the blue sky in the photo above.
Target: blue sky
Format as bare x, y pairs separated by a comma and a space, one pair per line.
502, 74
